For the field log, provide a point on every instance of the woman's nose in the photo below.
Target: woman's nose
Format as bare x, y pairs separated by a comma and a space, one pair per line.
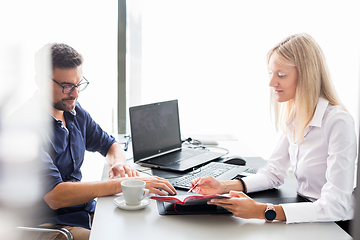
273, 82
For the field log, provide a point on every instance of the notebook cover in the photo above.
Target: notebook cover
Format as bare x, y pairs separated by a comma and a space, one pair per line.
165, 208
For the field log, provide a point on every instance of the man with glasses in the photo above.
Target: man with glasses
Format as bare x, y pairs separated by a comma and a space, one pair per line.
74, 131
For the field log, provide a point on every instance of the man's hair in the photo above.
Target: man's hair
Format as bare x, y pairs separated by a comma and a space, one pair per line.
64, 56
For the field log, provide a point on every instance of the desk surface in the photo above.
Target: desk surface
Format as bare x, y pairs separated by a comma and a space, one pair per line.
111, 222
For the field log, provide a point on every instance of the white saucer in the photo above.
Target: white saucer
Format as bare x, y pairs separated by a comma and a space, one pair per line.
120, 203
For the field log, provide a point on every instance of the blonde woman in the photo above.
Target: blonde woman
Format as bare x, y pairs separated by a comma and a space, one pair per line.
319, 143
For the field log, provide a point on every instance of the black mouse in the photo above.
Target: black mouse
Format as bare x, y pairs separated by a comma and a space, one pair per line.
236, 160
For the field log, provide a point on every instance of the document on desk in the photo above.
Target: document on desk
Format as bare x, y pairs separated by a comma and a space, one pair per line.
188, 199
188, 204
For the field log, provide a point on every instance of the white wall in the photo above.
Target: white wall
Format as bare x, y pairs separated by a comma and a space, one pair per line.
211, 55
89, 27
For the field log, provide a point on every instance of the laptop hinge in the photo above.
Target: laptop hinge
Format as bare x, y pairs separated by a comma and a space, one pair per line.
159, 154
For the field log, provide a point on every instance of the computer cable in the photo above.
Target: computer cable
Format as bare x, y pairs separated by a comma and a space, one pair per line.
194, 143
145, 171
126, 143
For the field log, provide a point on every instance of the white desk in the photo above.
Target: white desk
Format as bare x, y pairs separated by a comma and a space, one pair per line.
111, 222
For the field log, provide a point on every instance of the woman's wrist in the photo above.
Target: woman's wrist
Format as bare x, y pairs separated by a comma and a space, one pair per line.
227, 186
261, 208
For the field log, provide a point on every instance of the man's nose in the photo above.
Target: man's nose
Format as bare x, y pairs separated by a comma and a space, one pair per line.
74, 93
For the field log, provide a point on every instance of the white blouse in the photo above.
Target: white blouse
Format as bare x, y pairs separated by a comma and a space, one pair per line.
323, 164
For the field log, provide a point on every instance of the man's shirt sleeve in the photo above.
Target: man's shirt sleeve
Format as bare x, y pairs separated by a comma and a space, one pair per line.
96, 138
51, 174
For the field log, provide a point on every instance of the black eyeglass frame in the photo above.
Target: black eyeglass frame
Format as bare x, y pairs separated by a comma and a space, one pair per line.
73, 86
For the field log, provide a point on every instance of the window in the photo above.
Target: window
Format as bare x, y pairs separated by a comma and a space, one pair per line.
211, 56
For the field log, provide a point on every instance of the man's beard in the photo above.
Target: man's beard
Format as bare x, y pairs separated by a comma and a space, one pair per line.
62, 107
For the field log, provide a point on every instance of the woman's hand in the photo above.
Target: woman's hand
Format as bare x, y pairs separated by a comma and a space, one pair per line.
241, 205
207, 185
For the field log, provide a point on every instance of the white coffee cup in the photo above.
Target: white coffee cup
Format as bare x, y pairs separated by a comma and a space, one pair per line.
134, 191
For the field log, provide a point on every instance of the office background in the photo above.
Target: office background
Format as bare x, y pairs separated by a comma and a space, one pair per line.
210, 55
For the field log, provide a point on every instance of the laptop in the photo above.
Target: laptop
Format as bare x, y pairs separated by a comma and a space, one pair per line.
156, 139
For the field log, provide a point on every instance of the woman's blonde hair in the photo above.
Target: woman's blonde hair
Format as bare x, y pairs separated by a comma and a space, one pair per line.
301, 51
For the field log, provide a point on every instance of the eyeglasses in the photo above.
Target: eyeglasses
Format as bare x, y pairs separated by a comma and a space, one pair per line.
68, 88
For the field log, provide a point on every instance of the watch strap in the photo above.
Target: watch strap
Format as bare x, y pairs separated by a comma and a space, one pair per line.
270, 213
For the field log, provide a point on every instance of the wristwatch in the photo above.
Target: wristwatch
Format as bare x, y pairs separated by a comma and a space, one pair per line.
270, 213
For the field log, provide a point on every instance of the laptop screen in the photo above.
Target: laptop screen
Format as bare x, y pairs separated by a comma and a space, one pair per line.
155, 128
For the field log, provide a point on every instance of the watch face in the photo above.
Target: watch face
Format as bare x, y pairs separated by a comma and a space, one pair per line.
270, 215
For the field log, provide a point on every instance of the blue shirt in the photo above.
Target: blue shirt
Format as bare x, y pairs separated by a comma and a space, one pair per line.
64, 156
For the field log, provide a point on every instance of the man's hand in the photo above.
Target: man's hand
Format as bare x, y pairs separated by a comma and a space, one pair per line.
157, 185
119, 169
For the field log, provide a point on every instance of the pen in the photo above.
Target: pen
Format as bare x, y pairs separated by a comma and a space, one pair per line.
193, 187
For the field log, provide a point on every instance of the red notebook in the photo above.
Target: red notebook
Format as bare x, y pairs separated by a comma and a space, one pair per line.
186, 200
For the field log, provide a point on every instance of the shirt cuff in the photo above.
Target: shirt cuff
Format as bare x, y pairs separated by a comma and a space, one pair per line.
256, 182
299, 212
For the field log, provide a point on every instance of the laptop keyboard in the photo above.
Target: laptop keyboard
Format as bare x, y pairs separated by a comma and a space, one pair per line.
177, 156
214, 169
